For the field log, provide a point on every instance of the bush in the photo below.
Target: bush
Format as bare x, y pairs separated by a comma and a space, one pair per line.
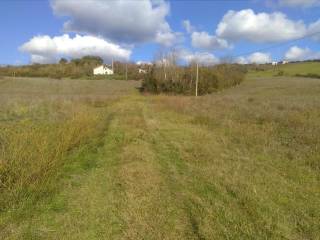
181, 80
309, 75
280, 73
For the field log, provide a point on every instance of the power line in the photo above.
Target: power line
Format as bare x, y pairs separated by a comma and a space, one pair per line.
276, 45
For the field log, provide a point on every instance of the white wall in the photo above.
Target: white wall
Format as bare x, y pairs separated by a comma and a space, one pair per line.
102, 70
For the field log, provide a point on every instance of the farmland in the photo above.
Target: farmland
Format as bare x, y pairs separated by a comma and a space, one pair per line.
98, 160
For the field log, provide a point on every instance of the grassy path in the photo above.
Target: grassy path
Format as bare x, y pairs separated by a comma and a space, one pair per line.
124, 196
158, 175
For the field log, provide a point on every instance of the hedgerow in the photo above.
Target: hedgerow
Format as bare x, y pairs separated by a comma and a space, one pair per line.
182, 80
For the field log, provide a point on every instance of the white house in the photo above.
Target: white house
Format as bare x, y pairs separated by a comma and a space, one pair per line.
274, 63
102, 70
142, 71
285, 62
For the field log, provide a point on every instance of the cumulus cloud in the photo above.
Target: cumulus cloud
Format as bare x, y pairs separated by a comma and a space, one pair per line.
259, 58
168, 38
44, 49
119, 21
256, 58
241, 60
259, 27
299, 3
203, 40
188, 26
203, 58
299, 54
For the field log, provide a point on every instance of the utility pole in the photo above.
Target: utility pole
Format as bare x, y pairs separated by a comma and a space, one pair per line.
164, 66
197, 79
126, 71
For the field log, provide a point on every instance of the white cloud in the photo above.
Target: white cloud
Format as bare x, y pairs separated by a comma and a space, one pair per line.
188, 26
119, 21
299, 54
203, 58
259, 58
241, 60
299, 3
44, 49
203, 40
256, 58
168, 38
259, 27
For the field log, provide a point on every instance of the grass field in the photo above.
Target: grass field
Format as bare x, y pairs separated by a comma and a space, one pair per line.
98, 160
311, 69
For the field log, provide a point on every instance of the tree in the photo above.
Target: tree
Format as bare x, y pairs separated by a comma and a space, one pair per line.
63, 61
91, 60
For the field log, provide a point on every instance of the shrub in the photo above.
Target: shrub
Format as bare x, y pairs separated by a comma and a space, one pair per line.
280, 73
181, 80
309, 75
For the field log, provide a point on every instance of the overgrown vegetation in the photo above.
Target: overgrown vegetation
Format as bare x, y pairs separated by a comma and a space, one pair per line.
32, 151
182, 80
41, 123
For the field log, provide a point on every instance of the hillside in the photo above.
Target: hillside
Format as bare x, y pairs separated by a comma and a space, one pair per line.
304, 69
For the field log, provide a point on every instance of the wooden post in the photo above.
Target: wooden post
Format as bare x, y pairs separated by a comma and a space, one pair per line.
126, 71
197, 79
164, 67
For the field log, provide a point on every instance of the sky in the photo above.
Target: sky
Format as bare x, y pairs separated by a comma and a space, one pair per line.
242, 31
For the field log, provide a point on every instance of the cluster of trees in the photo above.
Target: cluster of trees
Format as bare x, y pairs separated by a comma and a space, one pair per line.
75, 69
166, 76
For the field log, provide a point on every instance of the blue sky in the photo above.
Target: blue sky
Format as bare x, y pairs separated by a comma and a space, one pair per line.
135, 30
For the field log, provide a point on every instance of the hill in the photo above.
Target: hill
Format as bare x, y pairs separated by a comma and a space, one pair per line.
302, 69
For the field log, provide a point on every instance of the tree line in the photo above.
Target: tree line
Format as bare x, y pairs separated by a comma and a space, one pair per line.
81, 68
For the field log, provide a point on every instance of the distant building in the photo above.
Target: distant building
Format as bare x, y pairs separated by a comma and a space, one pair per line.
142, 71
102, 70
274, 63
285, 62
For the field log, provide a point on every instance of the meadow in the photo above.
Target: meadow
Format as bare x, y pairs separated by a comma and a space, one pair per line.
99, 160
300, 69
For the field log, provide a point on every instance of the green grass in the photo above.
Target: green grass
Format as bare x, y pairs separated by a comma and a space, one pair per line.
307, 69
238, 164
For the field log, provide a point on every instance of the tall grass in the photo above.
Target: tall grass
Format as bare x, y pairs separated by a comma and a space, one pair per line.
32, 151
